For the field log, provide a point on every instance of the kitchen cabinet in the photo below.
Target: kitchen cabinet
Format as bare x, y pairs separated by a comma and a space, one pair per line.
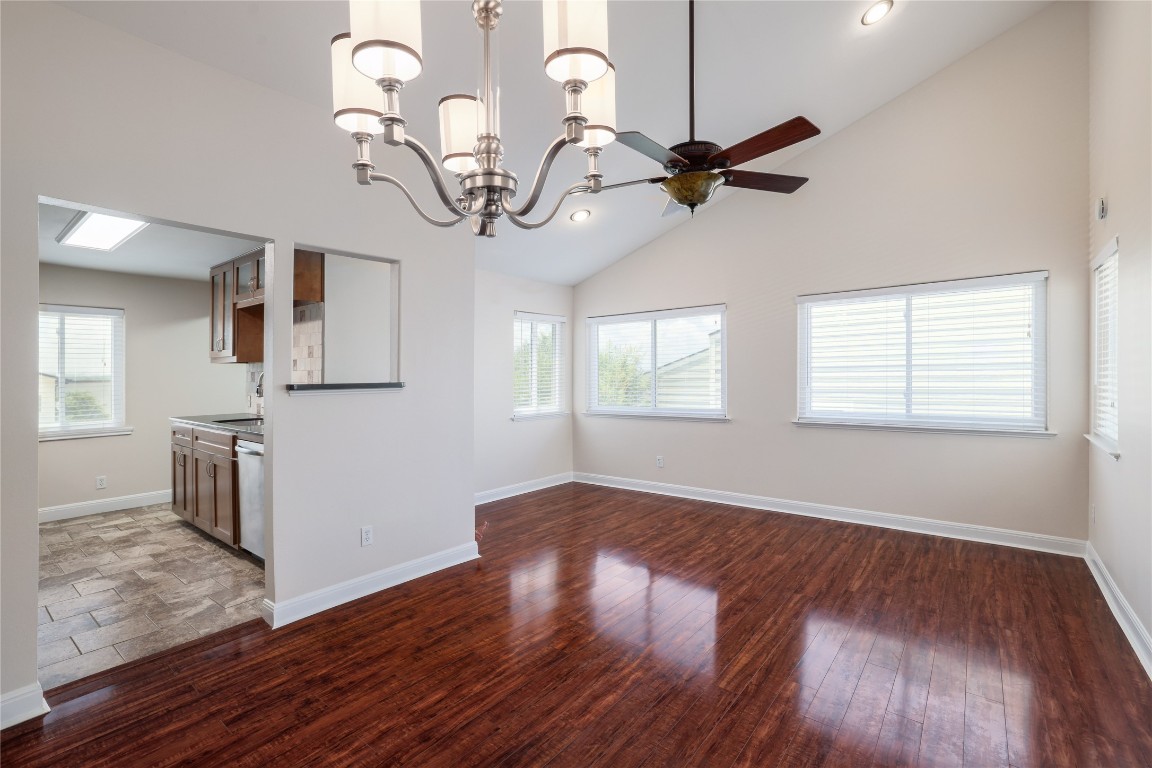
183, 479
248, 277
307, 277
222, 314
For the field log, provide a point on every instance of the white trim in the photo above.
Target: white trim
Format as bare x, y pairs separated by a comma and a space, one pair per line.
80, 434
534, 317
962, 284
1136, 632
538, 416
1020, 539
666, 415
483, 497
1105, 445
278, 614
95, 507
658, 314
22, 704
925, 428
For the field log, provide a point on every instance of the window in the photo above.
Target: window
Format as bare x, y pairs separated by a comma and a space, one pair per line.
538, 366
1105, 325
81, 371
963, 355
667, 363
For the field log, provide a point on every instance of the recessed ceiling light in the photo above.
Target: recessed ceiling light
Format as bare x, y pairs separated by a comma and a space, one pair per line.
98, 231
580, 215
876, 12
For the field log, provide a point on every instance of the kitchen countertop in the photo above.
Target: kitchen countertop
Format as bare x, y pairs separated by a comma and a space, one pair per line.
219, 421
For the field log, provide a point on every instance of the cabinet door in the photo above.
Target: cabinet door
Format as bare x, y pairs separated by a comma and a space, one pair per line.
248, 278
222, 311
183, 498
216, 495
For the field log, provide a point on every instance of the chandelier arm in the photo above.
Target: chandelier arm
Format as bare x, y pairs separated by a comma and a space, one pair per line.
396, 182
630, 183
538, 182
434, 173
576, 189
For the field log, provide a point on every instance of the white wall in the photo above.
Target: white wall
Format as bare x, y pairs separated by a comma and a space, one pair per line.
1120, 169
513, 452
357, 320
96, 116
980, 170
167, 373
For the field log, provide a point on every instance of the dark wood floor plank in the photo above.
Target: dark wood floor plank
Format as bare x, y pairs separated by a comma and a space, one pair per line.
611, 628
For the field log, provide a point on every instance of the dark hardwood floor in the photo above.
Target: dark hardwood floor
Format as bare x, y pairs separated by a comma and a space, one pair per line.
613, 628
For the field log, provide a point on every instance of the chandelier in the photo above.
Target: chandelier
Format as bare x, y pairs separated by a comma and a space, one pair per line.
382, 53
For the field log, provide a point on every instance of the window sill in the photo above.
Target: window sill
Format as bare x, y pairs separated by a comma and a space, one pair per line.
658, 416
539, 416
1109, 447
46, 437
917, 428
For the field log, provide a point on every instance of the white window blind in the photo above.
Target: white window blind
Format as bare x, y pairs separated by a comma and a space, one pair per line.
81, 372
665, 363
963, 354
1105, 292
539, 366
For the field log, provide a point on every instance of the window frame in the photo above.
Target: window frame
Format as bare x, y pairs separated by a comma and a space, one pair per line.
117, 423
1037, 279
560, 356
1109, 443
592, 407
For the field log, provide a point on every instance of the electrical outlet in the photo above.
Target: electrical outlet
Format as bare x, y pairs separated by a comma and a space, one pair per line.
101, 482
659, 462
366, 536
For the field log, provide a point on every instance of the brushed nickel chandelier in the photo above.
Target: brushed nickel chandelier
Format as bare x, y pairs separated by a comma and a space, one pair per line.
382, 53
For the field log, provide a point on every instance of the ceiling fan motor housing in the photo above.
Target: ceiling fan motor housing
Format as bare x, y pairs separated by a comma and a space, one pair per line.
697, 154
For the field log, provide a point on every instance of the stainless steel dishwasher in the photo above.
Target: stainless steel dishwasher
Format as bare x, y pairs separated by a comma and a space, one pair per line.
250, 461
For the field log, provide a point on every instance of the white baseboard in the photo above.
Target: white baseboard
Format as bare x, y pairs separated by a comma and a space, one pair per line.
114, 504
515, 490
22, 704
987, 535
283, 612
1135, 631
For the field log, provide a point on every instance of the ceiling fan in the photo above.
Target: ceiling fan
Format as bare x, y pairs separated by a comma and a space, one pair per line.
696, 168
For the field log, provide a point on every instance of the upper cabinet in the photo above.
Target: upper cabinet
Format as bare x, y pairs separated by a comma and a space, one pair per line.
248, 277
237, 309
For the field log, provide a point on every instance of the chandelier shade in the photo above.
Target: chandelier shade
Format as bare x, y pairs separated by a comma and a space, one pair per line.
386, 38
575, 39
459, 123
352, 93
599, 104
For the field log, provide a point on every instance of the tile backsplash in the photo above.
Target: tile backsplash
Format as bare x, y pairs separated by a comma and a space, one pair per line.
308, 344
255, 404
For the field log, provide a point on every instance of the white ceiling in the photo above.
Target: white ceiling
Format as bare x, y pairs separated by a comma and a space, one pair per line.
158, 249
758, 63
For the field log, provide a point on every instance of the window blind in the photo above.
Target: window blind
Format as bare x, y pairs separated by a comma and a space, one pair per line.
664, 363
539, 364
81, 371
1105, 415
963, 354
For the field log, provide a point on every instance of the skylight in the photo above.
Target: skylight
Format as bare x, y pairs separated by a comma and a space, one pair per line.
98, 231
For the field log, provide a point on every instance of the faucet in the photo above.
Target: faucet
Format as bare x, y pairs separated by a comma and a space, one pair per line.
260, 385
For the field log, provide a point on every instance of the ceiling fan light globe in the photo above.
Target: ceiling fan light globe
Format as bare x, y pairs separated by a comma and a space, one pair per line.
693, 188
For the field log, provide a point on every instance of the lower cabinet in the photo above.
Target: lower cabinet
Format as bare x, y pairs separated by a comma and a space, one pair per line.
183, 484
215, 495
204, 488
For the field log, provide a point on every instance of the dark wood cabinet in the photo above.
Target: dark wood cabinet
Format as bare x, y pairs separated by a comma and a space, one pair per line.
248, 277
204, 487
223, 312
237, 310
215, 495
307, 277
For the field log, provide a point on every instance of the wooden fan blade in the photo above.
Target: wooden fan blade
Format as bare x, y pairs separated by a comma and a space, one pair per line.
784, 135
645, 146
768, 182
671, 208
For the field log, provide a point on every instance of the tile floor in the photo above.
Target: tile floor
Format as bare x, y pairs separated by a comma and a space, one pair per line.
121, 585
